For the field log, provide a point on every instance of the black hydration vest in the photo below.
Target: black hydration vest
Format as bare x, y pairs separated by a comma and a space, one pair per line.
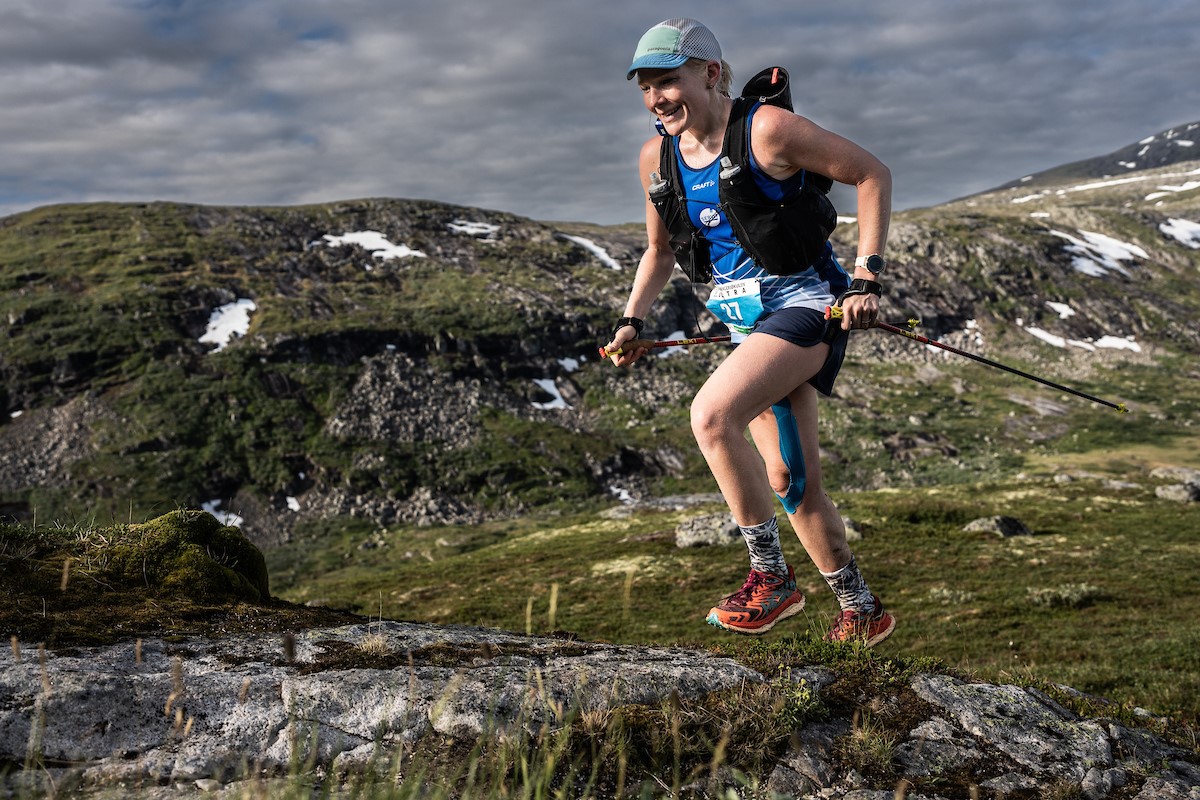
783, 237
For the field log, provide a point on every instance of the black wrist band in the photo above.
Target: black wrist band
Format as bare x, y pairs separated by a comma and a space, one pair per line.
632, 322
864, 286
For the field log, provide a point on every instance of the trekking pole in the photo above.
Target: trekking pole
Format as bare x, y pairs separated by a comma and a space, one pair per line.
649, 344
835, 312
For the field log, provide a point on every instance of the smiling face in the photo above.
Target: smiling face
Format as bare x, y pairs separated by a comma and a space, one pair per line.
675, 95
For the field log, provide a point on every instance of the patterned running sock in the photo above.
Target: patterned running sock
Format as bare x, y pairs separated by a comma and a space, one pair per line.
851, 588
766, 554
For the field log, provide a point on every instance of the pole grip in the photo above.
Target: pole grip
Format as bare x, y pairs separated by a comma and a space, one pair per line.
632, 344
649, 344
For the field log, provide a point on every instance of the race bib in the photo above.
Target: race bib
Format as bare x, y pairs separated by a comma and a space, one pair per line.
737, 304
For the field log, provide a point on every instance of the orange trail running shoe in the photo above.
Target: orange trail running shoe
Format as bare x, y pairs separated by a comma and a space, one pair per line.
854, 626
763, 600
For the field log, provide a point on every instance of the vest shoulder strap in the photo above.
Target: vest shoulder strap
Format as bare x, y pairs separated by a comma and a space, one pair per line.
772, 87
737, 137
668, 170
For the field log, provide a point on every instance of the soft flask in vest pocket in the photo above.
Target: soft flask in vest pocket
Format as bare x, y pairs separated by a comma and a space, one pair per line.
691, 249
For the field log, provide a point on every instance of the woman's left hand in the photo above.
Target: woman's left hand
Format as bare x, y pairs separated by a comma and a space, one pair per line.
859, 311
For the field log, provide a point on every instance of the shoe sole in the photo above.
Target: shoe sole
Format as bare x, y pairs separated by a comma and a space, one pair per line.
789, 611
879, 637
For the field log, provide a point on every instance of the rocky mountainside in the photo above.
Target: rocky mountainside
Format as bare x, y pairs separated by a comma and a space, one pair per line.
414, 362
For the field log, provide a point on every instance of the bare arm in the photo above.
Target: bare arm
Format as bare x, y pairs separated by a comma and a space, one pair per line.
654, 269
785, 143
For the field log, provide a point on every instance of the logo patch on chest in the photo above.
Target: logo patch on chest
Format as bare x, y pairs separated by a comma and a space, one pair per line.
711, 217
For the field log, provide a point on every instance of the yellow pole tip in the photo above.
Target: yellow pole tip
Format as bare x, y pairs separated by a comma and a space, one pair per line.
1121, 408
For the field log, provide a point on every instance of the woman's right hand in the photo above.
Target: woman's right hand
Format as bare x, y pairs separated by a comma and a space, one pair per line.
625, 340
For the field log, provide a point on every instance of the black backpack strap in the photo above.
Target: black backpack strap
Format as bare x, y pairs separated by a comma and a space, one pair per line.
737, 136
680, 224
668, 170
772, 87
769, 86
669, 199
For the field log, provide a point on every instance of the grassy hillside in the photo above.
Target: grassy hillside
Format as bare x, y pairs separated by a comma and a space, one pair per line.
373, 402
1101, 597
106, 303
362, 383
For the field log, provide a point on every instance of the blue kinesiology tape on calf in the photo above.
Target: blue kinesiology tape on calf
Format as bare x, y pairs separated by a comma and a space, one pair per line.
793, 455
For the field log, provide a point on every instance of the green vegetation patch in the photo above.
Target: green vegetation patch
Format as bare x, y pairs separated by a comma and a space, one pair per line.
1100, 597
189, 552
180, 573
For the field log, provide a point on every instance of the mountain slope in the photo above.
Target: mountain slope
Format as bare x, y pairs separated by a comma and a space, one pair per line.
1175, 145
414, 362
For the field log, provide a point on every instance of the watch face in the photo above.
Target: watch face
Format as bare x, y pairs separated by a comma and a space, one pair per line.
875, 264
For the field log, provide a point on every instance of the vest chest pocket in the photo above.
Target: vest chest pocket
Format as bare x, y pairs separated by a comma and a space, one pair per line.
737, 304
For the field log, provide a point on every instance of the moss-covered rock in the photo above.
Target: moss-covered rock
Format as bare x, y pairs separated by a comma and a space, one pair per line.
191, 553
179, 574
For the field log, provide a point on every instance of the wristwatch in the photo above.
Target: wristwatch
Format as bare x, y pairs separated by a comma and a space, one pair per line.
872, 263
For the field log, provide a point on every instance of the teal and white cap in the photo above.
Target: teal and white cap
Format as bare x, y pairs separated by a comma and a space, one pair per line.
672, 42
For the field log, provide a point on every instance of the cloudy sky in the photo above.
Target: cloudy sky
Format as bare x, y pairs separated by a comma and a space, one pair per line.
522, 105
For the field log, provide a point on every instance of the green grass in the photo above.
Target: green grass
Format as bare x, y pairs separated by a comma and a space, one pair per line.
973, 601
105, 301
74, 586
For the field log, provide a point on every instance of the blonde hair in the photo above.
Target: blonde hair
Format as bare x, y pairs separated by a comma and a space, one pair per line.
725, 82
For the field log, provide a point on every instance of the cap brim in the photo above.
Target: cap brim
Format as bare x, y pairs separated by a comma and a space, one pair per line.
656, 61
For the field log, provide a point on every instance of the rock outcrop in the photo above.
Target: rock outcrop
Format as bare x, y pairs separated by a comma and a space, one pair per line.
180, 717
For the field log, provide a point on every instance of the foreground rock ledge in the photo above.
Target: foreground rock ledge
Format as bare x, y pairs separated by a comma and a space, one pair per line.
197, 711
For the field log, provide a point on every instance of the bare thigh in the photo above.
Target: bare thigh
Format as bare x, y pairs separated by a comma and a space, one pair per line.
761, 371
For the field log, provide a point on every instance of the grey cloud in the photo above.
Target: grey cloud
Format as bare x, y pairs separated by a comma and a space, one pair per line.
522, 106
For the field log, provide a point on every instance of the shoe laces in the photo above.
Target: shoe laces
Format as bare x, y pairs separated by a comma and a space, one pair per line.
753, 581
848, 618
845, 620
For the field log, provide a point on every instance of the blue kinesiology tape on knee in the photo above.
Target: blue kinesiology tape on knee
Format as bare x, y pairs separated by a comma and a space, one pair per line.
793, 455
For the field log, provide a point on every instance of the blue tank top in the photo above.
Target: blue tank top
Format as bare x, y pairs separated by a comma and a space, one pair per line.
808, 289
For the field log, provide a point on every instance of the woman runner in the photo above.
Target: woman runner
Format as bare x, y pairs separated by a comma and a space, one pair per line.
786, 351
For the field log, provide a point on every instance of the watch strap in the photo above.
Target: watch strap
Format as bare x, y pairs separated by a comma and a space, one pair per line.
873, 263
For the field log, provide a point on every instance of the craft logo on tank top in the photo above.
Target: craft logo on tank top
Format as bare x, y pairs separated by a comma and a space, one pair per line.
710, 217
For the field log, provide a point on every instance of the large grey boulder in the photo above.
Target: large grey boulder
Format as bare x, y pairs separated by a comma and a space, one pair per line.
159, 712
184, 718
